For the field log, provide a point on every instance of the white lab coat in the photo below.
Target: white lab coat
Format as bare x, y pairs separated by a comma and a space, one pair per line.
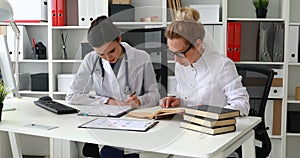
212, 80
141, 78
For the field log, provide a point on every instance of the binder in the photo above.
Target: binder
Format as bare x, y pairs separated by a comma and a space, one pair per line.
24, 44
54, 12
219, 38
82, 13
60, 12
71, 13
293, 44
278, 42
249, 44
91, 10
266, 36
88, 10
237, 42
230, 39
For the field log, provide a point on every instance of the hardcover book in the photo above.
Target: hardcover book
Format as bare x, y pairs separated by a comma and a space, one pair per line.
208, 122
203, 129
212, 112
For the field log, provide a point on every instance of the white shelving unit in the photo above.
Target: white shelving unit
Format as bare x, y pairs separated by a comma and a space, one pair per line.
283, 11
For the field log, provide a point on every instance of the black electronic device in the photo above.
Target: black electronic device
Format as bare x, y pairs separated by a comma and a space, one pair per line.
46, 102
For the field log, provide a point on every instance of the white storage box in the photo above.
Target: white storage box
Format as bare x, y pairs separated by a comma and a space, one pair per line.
209, 13
29, 10
24, 81
64, 81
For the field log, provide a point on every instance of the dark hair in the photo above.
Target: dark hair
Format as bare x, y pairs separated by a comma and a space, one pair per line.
101, 31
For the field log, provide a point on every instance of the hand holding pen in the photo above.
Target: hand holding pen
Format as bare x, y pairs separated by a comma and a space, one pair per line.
133, 100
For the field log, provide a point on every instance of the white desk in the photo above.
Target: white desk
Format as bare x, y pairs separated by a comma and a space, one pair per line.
166, 137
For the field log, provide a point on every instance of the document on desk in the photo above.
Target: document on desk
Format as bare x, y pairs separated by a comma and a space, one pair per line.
120, 124
105, 110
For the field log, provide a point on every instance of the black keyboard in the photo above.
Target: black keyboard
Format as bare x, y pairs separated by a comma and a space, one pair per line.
54, 106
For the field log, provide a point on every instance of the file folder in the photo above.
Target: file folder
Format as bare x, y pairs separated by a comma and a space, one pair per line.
278, 42
82, 13
24, 44
219, 38
237, 42
249, 45
88, 10
293, 44
230, 40
266, 36
54, 12
60, 12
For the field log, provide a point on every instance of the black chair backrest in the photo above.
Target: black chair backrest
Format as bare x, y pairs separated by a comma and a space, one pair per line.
151, 40
258, 81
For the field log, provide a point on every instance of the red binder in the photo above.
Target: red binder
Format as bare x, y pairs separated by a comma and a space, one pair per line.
54, 12
230, 39
60, 12
237, 42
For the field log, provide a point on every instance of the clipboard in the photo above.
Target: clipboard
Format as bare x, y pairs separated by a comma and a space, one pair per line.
105, 110
119, 124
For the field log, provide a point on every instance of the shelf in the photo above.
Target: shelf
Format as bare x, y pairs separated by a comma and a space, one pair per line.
70, 27
292, 100
215, 23
33, 61
66, 61
260, 63
294, 64
255, 19
138, 23
275, 137
295, 24
34, 92
27, 24
293, 134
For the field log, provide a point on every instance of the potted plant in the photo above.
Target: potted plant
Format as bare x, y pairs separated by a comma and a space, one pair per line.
261, 8
3, 94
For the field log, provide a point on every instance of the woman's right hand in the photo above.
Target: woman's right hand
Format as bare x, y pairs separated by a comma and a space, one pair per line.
169, 102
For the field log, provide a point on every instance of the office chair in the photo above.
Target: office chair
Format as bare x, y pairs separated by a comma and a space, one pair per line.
258, 81
151, 40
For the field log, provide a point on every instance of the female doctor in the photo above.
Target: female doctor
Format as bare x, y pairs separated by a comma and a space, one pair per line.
121, 75
116, 70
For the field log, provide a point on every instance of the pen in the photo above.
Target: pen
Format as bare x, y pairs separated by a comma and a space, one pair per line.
132, 94
33, 43
9, 109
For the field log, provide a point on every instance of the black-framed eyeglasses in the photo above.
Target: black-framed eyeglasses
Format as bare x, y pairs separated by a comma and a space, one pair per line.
180, 54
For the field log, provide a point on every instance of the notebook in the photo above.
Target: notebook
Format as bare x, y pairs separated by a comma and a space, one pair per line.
120, 124
105, 110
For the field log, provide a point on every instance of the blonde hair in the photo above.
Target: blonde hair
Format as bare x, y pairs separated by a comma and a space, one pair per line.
189, 30
187, 13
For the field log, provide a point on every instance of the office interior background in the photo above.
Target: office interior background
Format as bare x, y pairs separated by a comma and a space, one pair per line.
62, 46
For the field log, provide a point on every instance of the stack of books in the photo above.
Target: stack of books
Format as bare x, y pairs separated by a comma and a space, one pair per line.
210, 119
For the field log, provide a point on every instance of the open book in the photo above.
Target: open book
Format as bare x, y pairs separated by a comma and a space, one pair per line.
160, 114
106, 110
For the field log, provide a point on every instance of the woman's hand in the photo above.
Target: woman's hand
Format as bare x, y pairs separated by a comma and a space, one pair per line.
133, 101
169, 102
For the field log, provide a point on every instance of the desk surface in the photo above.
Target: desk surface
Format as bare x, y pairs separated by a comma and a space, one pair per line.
166, 137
